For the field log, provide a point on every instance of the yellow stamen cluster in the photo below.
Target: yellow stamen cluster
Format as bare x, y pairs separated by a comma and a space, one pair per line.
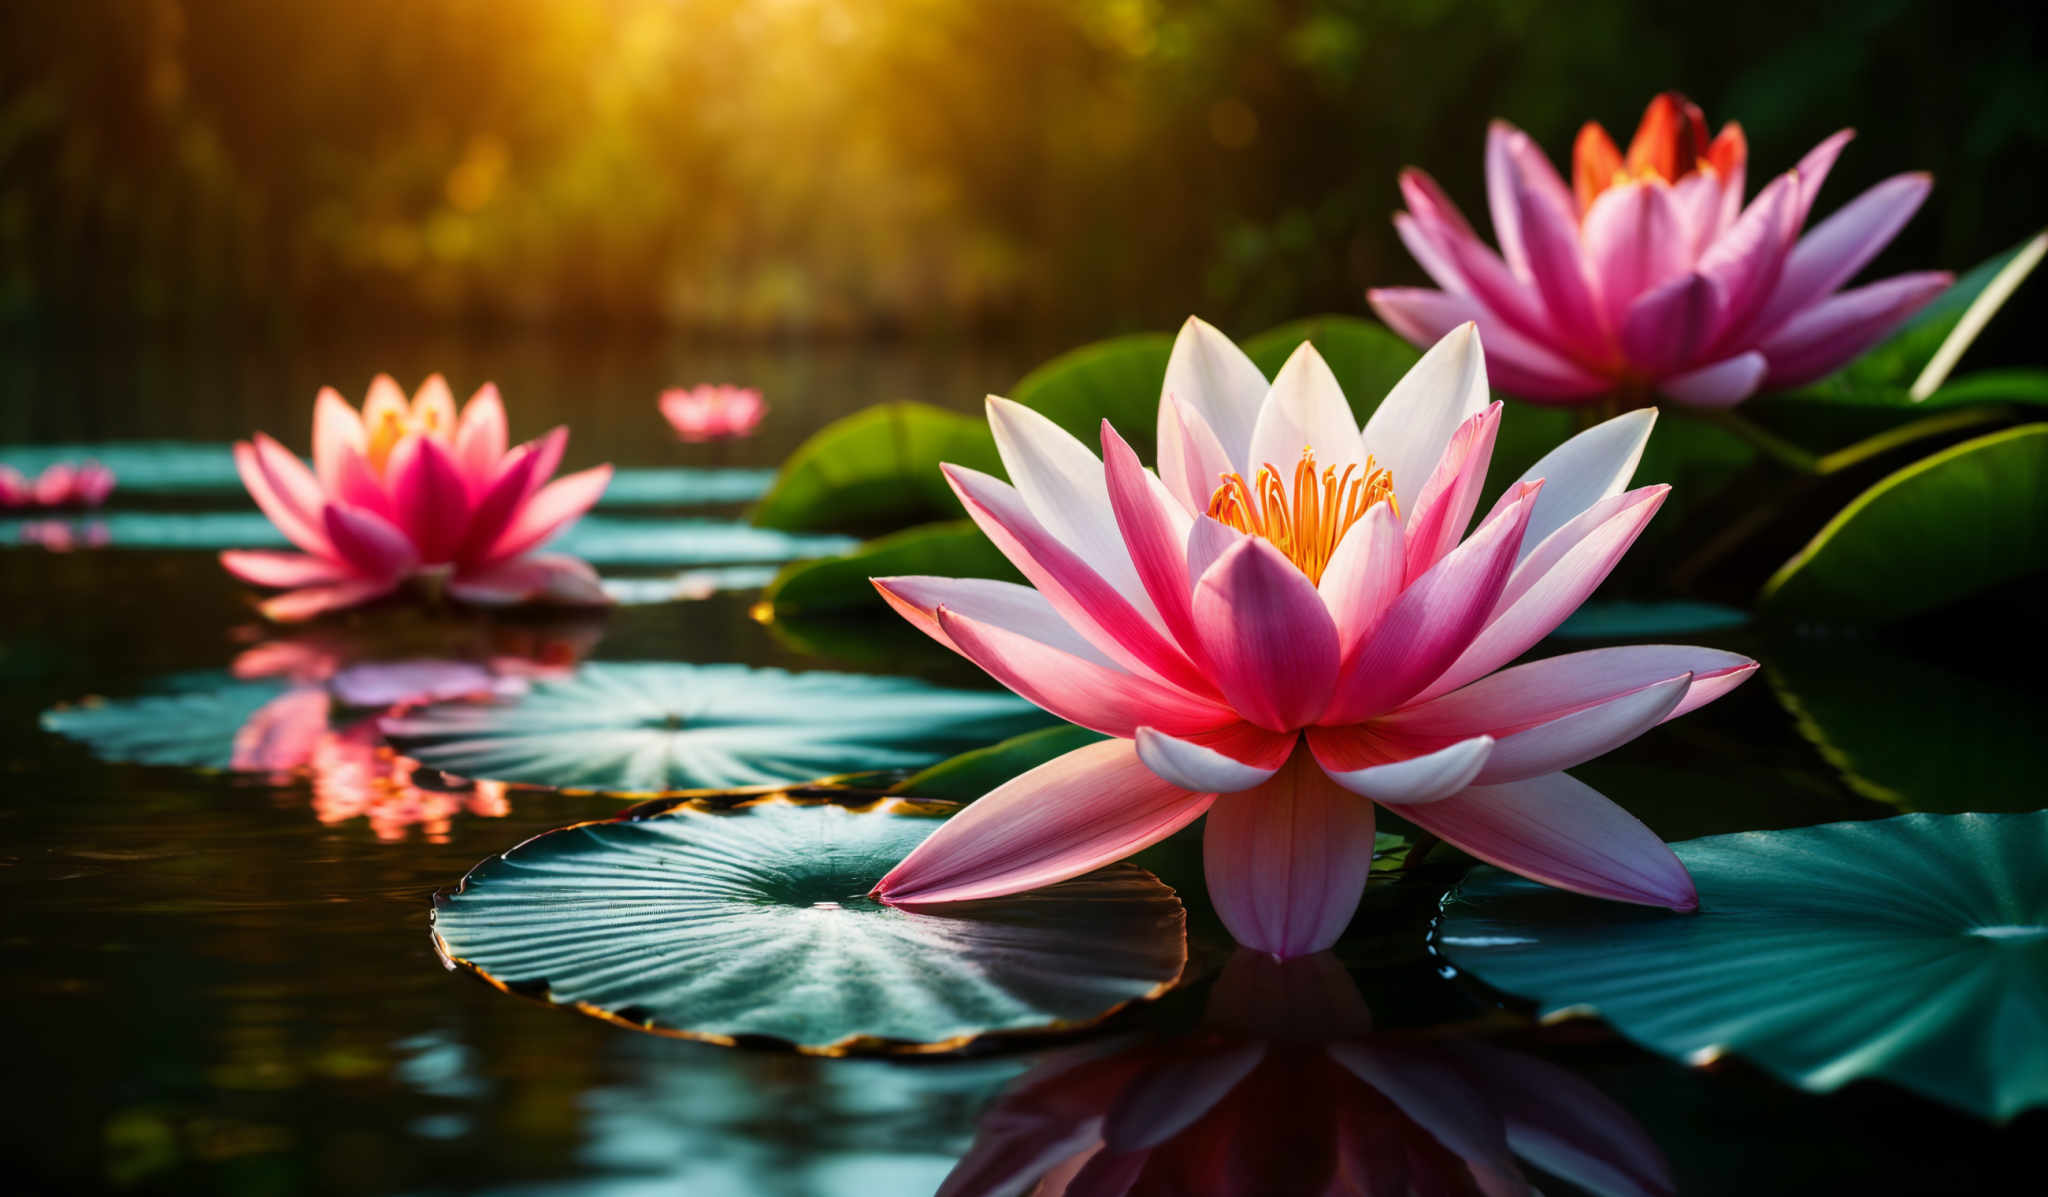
387, 420
1307, 522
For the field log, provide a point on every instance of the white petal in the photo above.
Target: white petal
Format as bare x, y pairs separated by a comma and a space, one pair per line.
1063, 486
1195, 767
1305, 410
1427, 778
1592, 466
1209, 373
1411, 427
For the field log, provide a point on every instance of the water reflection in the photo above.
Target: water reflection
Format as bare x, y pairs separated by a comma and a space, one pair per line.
1287, 1088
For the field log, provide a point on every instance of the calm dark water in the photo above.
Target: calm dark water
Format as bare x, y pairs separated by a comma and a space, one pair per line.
210, 989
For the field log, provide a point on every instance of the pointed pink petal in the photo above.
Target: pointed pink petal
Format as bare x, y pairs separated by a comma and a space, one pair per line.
1667, 326
1305, 409
1576, 738
1435, 619
1094, 607
1516, 166
1077, 690
1364, 577
1440, 1100
1219, 391
1155, 536
1006, 605
498, 503
337, 432
1270, 642
547, 451
283, 507
1814, 342
553, 507
1592, 465
1514, 363
1443, 510
1446, 247
1219, 762
1842, 244
481, 437
1551, 582
1192, 461
318, 600
1386, 769
282, 570
1560, 831
1561, 276
370, 544
1208, 539
1813, 171
1412, 427
429, 497
1698, 199
1634, 241
1063, 487
1745, 262
1540, 691
1718, 384
1092, 807
1287, 862
359, 486
281, 734
1168, 1098
541, 577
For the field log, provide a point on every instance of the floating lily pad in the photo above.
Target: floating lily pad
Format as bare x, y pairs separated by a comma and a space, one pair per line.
752, 923
653, 728
840, 585
1963, 520
1913, 949
191, 721
876, 469
971, 774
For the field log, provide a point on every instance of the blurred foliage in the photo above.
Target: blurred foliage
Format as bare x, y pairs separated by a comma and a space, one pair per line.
869, 165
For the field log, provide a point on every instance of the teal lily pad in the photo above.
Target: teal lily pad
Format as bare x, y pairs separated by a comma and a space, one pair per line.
751, 923
656, 728
191, 720
1958, 522
1912, 949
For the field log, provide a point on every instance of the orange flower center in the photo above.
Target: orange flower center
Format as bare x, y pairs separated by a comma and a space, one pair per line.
1308, 521
388, 424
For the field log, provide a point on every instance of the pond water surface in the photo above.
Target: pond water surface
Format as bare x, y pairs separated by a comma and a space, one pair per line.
221, 983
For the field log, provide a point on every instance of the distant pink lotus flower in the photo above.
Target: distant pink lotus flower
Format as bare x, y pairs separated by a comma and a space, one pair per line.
1287, 1088
1283, 653
1648, 274
403, 492
712, 412
62, 484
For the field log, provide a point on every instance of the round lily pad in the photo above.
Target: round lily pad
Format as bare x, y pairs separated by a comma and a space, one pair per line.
1914, 949
200, 720
751, 923
658, 728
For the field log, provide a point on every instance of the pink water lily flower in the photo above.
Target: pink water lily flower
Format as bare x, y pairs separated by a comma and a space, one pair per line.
1648, 275
61, 484
1283, 653
711, 412
411, 491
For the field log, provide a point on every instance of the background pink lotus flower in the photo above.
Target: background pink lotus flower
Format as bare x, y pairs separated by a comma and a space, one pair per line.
62, 484
1284, 653
411, 491
1648, 274
712, 411
1288, 1089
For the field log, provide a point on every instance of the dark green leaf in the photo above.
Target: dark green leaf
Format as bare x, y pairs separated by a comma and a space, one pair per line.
1969, 517
972, 774
876, 469
729, 924
1912, 949
1899, 361
1117, 380
839, 585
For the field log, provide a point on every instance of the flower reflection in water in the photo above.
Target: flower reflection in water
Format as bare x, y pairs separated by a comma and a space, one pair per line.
356, 775
1288, 1089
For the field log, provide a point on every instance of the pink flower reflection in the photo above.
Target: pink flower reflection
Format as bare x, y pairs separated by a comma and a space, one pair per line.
62, 484
712, 411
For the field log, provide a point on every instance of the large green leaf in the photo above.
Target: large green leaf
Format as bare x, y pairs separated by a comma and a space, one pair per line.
876, 469
656, 728
1367, 358
839, 585
1116, 380
973, 774
742, 924
1910, 732
1914, 949
1964, 519
1902, 361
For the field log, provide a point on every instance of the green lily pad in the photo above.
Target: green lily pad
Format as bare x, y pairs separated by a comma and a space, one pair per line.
972, 774
752, 923
1910, 732
190, 720
1367, 357
1116, 380
1967, 518
1912, 949
876, 469
657, 728
1940, 330
837, 585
